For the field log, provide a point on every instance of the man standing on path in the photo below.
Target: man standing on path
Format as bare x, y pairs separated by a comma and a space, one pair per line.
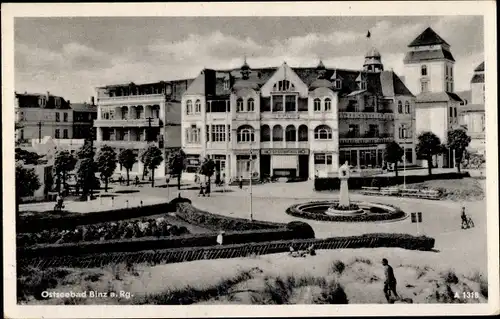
241, 182
389, 282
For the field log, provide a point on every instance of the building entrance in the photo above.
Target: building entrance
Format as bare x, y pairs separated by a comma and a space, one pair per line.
304, 166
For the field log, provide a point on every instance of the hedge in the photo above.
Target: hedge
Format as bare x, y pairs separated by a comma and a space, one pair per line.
68, 220
376, 216
211, 221
297, 230
231, 251
357, 182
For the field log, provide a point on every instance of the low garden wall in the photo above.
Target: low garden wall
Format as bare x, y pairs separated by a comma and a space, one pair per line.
355, 182
230, 251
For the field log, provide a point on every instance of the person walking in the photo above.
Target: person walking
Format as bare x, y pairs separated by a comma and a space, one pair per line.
207, 189
390, 281
202, 193
241, 182
136, 180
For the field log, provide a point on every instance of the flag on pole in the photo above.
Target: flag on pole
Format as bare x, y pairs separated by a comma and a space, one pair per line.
368, 34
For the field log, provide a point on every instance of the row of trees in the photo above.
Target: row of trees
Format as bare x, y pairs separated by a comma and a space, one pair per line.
430, 145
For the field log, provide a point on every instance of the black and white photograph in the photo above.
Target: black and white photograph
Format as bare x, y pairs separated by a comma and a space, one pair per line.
201, 154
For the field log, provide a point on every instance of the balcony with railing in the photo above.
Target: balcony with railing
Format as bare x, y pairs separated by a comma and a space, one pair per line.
367, 138
125, 144
351, 113
147, 98
142, 122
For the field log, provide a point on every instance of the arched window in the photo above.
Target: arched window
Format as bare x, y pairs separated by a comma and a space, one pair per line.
155, 111
277, 133
124, 113
197, 108
284, 85
246, 133
189, 107
423, 70
303, 133
251, 105
400, 107
323, 132
139, 111
317, 105
290, 133
265, 133
239, 105
328, 104
407, 107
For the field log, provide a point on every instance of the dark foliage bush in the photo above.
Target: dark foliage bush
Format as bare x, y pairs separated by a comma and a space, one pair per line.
351, 206
208, 220
357, 182
301, 228
379, 216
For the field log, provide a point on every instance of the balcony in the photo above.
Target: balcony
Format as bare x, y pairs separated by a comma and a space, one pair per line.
149, 98
283, 115
343, 114
125, 144
368, 138
128, 123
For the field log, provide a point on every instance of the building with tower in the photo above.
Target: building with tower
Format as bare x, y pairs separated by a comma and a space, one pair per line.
296, 121
135, 115
471, 112
429, 75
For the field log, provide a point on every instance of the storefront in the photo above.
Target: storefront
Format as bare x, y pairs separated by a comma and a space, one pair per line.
286, 162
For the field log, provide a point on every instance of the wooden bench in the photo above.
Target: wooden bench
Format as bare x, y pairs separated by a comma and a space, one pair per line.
429, 194
370, 190
391, 191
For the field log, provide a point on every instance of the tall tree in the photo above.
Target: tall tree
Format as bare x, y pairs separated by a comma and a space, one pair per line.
428, 145
393, 154
106, 164
127, 158
26, 156
64, 162
152, 158
27, 182
458, 141
177, 164
86, 169
207, 168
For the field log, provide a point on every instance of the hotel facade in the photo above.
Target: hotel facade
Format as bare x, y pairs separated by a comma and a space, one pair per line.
131, 116
299, 122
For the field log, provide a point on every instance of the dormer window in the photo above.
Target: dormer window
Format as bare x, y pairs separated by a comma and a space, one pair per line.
226, 84
361, 82
337, 84
423, 70
283, 85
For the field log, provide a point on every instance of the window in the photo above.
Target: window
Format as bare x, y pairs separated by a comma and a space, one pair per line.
58, 117
450, 113
290, 105
373, 130
226, 84
239, 105
322, 159
337, 84
451, 71
22, 134
58, 134
353, 130
251, 105
124, 113
400, 107
189, 107
446, 71
218, 133
409, 155
21, 118
265, 133
42, 101
65, 117
407, 107
246, 134
455, 111
323, 132
139, 112
317, 105
303, 133
277, 133
361, 85
423, 70
424, 86
451, 86
277, 103
197, 108
229, 133
283, 85
193, 135
328, 104
290, 134
65, 133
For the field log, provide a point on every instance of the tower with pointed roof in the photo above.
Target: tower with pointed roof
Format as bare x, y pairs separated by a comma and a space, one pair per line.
245, 69
429, 64
373, 61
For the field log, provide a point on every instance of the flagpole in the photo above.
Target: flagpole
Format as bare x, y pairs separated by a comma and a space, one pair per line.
228, 133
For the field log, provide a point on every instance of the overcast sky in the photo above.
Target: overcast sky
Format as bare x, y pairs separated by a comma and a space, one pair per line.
72, 56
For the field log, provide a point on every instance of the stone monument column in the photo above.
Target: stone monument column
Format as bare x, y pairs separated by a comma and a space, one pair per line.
344, 187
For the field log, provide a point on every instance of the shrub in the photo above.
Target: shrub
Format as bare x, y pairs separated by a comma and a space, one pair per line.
351, 206
301, 228
208, 220
337, 267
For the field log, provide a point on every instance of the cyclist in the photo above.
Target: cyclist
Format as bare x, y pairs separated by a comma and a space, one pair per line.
465, 223
59, 201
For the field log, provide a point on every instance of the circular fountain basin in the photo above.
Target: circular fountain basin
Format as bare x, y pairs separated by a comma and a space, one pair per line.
358, 212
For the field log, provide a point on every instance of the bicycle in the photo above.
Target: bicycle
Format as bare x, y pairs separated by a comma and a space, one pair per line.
58, 206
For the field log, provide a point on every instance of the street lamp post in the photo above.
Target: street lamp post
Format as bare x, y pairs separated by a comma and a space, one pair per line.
251, 169
39, 132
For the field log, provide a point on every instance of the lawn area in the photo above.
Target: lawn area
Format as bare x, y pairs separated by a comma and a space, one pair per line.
332, 276
465, 189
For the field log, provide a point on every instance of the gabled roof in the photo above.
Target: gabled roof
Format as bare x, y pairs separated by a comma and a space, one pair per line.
428, 37
437, 97
417, 56
465, 95
392, 85
480, 68
477, 78
197, 87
